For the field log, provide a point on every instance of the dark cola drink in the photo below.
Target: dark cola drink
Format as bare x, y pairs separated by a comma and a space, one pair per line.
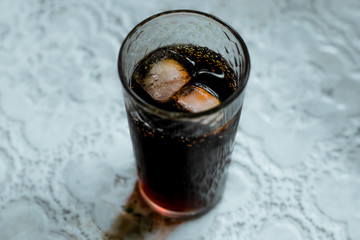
182, 165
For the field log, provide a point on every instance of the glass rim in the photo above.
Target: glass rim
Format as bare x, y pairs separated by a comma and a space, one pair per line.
185, 115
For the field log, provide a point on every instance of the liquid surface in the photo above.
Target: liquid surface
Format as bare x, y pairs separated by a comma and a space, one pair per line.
192, 66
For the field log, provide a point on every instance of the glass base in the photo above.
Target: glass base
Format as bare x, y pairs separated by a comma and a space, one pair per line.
173, 214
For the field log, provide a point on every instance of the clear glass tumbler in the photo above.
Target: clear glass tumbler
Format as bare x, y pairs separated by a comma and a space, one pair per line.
182, 158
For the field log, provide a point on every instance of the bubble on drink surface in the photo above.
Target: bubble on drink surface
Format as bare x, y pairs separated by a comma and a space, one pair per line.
196, 99
164, 79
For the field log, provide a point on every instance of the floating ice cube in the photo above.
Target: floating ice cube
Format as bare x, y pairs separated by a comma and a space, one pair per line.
196, 99
164, 79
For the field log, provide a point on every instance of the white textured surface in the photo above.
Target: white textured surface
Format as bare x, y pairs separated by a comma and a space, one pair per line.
66, 166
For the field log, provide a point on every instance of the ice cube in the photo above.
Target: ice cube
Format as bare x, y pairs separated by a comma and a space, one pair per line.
196, 99
164, 79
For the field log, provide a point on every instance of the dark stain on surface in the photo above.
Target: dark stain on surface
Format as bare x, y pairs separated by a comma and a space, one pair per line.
138, 220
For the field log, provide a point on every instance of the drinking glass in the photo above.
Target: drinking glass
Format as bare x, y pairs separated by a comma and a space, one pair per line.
182, 158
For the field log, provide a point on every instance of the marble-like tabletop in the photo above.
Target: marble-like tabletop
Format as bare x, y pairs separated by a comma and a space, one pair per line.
66, 164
